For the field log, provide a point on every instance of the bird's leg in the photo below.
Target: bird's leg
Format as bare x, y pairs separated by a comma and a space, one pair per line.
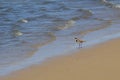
81, 45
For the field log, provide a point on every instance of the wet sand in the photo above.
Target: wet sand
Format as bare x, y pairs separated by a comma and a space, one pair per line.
100, 62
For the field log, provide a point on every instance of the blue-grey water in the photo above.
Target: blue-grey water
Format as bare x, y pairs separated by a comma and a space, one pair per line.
28, 25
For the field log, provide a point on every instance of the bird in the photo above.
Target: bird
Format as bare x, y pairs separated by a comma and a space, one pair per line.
79, 41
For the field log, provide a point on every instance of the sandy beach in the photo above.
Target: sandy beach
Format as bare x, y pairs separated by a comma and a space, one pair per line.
37, 39
100, 62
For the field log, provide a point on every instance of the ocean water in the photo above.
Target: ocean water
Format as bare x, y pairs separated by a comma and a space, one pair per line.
33, 30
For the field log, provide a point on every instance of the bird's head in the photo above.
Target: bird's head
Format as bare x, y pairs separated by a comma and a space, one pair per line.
75, 38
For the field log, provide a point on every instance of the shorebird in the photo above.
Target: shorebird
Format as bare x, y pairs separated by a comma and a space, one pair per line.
79, 41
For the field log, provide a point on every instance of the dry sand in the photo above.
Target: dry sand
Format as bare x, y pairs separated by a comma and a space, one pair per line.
101, 62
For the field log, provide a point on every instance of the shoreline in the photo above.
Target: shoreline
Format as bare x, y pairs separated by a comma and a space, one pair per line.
95, 63
65, 47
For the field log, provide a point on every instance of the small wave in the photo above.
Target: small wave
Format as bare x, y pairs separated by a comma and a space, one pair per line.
33, 18
105, 24
117, 6
49, 37
62, 6
48, 2
24, 20
110, 4
84, 14
66, 25
17, 33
